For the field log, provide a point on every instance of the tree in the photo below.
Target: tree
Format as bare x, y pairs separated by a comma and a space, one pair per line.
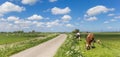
75, 31
19, 31
33, 31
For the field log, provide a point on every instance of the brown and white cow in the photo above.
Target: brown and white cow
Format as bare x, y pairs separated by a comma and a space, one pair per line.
89, 40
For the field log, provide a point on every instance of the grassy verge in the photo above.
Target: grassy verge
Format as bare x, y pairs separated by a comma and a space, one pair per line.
9, 50
7, 38
108, 48
69, 48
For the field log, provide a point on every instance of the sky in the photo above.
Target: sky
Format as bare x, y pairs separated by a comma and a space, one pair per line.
59, 15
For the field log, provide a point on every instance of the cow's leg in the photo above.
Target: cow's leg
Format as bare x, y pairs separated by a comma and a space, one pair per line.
88, 45
92, 42
80, 38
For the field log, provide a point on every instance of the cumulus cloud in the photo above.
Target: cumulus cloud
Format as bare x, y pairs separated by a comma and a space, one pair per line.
30, 2
13, 23
111, 14
91, 18
52, 0
2, 20
3, 25
23, 23
69, 25
7, 26
109, 21
112, 20
12, 18
109, 27
106, 22
57, 10
98, 10
47, 10
81, 21
66, 18
39, 24
10, 7
53, 23
92, 12
117, 17
35, 17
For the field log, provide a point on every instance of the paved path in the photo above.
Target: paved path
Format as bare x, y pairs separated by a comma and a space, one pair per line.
46, 49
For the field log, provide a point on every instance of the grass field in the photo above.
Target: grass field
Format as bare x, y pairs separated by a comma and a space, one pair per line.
110, 46
7, 38
12, 44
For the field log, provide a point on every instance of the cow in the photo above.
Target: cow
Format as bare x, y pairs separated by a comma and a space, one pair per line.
78, 36
99, 41
90, 40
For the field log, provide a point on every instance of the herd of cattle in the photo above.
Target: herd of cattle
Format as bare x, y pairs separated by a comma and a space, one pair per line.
89, 40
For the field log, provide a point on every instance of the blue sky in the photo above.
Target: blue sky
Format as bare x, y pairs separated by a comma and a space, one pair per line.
59, 15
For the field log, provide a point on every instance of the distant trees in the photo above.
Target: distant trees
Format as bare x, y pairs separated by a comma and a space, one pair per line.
33, 31
75, 31
18, 32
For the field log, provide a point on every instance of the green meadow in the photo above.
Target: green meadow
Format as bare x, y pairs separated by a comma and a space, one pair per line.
109, 47
11, 43
7, 38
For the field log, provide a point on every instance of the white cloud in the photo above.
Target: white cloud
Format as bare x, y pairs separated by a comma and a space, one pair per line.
113, 20
53, 23
52, 0
35, 22
81, 21
106, 22
23, 23
6, 26
40, 24
30, 2
10, 7
3, 25
2, 20
28, 25
111, 14
78, 18
47, 18
47, 10
57, 10
92, 12
12, 18
66, 18
91, 18
35, 17
109, 27
98, 10
117, 17
69, 25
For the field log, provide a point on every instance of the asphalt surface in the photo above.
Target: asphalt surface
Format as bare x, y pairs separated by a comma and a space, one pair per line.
46, 49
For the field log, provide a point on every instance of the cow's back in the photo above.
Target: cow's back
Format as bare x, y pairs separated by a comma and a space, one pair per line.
90, 36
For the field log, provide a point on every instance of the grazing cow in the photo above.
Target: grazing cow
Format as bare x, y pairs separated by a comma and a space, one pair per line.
99, 41
89, 40
78, 36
